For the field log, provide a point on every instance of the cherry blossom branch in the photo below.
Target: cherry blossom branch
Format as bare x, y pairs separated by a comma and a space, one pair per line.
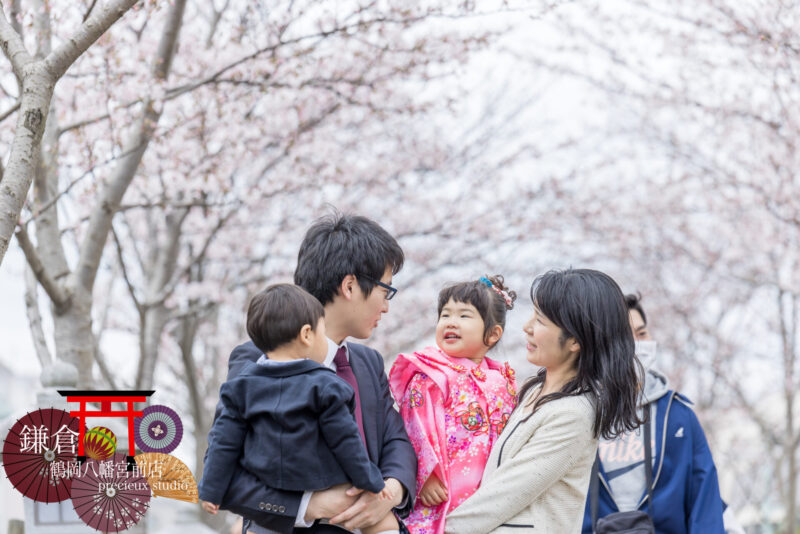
100, 220
54, 290
89, 10
35, 319
58, 61
125, 277
9, 111
13, 47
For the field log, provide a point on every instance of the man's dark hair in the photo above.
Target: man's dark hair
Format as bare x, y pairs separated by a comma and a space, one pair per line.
277, 314
634, 302
338, 245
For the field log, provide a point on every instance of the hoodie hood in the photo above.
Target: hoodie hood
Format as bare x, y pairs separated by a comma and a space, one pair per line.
656, 386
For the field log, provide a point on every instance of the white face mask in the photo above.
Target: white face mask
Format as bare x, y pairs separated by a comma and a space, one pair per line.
646, 352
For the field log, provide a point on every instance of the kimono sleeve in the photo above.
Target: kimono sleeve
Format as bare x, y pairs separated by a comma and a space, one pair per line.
422, 409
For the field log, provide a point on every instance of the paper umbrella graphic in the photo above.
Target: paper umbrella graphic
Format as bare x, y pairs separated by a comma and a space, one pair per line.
107, 496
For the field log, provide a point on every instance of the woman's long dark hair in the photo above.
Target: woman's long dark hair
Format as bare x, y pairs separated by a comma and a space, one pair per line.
589, 306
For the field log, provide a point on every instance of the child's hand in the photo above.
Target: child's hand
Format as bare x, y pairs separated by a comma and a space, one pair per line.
385, 494
433, 492
211, 508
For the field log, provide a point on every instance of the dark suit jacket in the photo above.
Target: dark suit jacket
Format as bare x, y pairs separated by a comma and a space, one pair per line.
290, 424
387, 446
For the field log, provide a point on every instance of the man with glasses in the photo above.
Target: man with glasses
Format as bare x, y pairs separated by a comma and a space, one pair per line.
347, 263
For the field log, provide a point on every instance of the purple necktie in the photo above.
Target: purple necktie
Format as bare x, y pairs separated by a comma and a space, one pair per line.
345, 372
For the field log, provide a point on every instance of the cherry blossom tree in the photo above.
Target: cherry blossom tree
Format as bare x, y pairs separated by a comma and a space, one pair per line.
36, 76
653, 142
216, 132
698, 209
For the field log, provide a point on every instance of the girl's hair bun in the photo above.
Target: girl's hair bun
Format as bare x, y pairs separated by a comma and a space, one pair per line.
498, 284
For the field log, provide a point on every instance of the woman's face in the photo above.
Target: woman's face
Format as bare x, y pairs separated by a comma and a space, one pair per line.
546, 346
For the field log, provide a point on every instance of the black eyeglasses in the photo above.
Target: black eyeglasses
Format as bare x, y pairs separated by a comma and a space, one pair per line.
390, 291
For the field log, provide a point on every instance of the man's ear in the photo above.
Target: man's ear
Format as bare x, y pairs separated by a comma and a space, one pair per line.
347, 286
305, 336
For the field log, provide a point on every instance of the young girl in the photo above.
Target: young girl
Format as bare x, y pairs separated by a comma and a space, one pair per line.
454, 400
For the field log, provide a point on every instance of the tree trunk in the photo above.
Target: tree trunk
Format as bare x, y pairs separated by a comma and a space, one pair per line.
37, 91
74, 339
153, 322
186, 334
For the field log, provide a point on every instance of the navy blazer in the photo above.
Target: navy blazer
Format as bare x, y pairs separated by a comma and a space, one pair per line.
388, 447
290, 424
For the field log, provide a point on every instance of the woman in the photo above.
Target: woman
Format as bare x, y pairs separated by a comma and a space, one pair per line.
538, 472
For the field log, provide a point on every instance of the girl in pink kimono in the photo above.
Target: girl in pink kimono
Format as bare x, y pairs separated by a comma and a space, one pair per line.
454, 400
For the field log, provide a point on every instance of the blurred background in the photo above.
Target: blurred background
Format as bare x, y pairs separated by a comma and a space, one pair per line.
188, 149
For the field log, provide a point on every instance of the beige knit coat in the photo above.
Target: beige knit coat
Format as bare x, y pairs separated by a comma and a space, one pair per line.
537, 476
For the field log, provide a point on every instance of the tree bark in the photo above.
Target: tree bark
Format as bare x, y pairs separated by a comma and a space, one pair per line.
73, 335
37, 91
38, 79
786, 307
186, 334
35, 319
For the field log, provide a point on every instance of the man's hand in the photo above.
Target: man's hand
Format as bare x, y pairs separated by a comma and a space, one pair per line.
327, 503
370, 507
433, 492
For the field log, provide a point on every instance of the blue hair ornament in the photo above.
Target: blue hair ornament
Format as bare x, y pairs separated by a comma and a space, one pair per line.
485, 280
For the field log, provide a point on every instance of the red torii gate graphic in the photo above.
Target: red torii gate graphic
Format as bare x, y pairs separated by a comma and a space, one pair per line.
105, 398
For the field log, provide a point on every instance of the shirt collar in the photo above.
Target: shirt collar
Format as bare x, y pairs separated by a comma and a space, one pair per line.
332, 349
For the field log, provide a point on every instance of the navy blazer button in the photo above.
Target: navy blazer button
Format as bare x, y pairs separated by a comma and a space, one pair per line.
268, 508
282, 509
261, 506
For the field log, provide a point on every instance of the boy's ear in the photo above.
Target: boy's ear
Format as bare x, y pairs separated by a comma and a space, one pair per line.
306, 335
347, 286
494, 335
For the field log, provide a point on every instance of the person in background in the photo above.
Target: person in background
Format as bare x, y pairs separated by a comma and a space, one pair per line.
686, 498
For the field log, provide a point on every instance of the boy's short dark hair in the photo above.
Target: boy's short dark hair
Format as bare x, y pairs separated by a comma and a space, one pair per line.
338, 245
276, 315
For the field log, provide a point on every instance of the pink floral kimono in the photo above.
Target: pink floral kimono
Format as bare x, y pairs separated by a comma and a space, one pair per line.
453, 410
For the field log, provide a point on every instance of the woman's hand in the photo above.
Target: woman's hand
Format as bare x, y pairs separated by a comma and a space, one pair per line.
433, 492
